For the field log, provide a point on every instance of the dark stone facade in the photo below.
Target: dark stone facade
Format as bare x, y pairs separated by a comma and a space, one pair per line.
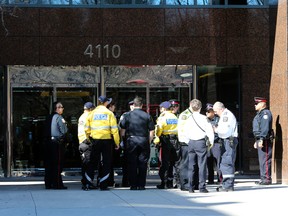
60, 36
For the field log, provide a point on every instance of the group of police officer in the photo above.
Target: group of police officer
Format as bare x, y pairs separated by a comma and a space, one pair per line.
189, 143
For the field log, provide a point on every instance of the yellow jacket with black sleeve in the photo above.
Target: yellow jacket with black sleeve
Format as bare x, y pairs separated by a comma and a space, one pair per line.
166, 124
102, 124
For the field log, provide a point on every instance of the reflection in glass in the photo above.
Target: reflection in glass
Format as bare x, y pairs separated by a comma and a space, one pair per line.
187, 2
85, 2
22, 1
55, 2
117, 1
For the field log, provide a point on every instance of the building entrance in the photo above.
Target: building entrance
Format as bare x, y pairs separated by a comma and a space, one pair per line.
34, 89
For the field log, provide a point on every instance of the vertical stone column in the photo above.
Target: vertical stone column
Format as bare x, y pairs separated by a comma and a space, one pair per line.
279, 97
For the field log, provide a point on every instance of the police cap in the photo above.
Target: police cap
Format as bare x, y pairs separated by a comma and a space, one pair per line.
209, 107
165, 104
174, 102
104, 99
88, 105
260, 99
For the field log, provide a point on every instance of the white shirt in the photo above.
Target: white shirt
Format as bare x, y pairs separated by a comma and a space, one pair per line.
227, 125
191, 131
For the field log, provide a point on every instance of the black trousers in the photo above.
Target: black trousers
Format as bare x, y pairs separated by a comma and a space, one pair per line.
101, 151
265, 159
138, 153
214, 158
54, 159
168, 159
87, 169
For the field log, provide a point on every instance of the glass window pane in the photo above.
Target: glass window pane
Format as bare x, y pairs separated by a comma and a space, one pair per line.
85, 2
22, 1
117, 1
188, 2
55, 2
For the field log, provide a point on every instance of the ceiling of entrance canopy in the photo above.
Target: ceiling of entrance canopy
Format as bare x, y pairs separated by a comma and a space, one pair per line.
149, 75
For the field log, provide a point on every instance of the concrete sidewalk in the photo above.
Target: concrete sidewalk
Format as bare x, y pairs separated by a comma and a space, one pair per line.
27, 196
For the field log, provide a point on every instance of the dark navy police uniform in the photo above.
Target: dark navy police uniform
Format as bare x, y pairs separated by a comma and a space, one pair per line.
262, 130
214, 155
56, 130
137, 125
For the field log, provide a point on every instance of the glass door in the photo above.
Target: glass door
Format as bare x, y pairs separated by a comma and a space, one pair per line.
30, 108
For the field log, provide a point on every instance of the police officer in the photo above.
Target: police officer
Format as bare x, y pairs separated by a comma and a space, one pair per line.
175, 106
214, 154
87, 170
101, 127
56, 130
263, 133
227, 131
125, 179
137, 129
195, 132
166, 129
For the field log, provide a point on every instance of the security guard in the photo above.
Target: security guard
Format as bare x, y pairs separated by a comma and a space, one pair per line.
227, 131
196, 131
85, 149
101, 128
56, 130
137, 129
214, 154
166, 129
263, 133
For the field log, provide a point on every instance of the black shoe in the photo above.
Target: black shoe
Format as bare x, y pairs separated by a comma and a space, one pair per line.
161, 186
92, 187
263, 182
89, 187
104, 189
203, 190
141, 188
85, 188
191, 190
133, 188
210, 182
169, 184
221, 189
184, 189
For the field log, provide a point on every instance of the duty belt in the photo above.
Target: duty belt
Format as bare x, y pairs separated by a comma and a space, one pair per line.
170, 136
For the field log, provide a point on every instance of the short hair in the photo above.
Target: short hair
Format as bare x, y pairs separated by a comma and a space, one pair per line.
218, 105
195, 105
137, 101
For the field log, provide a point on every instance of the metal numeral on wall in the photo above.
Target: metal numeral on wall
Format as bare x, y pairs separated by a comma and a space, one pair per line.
113, 51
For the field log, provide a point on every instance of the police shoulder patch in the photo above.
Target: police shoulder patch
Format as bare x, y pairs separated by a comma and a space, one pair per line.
225, 119
183, 117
